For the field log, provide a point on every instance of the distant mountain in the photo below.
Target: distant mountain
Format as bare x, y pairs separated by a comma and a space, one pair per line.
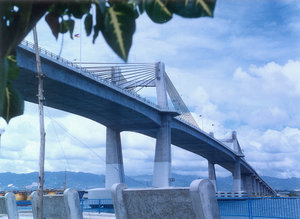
84, 181
283, 184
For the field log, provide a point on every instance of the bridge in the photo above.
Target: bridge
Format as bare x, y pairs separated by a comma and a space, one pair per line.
107, 93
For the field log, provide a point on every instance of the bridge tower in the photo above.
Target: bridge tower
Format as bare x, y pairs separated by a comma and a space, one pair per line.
237, 177
114, 158
211, 170
162, 160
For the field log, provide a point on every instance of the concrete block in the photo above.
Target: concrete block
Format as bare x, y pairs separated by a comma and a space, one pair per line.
204, 200
161, 203
8, 206
72, 204
119, 205
66, 206
53, 206
2, 205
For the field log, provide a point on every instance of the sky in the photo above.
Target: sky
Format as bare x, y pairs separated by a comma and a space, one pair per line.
238, 71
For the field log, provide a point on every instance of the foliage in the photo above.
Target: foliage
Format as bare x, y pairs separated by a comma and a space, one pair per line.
115, 19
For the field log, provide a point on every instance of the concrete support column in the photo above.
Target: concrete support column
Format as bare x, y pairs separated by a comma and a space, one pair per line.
212, 174
258, 187
114, 158
247, 184
253, 185
162, 161
250, 187
237, 182
161, 90
243, 183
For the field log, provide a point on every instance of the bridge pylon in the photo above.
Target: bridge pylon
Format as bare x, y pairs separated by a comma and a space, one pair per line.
212, 174
162, 160
114, 158
211, 170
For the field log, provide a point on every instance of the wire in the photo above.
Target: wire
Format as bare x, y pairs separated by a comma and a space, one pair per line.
96, 154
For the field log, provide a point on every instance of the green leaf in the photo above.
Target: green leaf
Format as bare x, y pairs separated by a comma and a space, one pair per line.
63, 27
158, 11
14, 103
100, 11
88, 24
119, 26
141, 6
52, 20
59, 8
11, 102
3, 81
13, 69
79, 9
193, 8
70, 24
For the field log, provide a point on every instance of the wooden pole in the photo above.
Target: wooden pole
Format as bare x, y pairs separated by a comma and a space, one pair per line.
42, 128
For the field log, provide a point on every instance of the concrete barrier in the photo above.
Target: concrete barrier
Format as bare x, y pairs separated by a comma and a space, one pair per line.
8, 206
66, 206
198, 201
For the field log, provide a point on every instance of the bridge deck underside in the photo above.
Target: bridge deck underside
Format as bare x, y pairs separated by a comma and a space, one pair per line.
70, 99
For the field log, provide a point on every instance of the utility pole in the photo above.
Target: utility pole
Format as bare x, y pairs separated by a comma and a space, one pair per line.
40, 95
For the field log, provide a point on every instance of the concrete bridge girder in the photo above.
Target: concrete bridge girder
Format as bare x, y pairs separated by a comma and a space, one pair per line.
68, 90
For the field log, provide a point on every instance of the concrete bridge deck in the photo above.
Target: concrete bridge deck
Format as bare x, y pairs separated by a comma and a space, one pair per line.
70, 89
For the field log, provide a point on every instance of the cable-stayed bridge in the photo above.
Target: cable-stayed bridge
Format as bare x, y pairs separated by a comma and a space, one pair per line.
107, 93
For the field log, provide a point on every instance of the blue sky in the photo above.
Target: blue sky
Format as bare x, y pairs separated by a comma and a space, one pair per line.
239, 70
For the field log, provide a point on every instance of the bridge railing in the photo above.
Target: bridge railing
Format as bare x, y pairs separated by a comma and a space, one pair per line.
97, 205
87, 73
229, 207
203, 132
260, 207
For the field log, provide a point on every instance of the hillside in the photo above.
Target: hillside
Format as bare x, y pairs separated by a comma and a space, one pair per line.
83, 181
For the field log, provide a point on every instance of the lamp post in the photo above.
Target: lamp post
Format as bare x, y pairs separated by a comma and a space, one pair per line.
201, 116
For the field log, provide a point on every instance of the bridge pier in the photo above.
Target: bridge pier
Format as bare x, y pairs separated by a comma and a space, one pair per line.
258, 187
247, 184
254, 185
264, 191
237, 181
211, 169
162, 160
114, 158
212, 174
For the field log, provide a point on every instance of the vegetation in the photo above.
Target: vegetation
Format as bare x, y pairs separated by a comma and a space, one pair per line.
115, 19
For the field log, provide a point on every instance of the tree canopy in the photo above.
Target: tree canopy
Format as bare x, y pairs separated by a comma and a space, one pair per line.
115, 19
